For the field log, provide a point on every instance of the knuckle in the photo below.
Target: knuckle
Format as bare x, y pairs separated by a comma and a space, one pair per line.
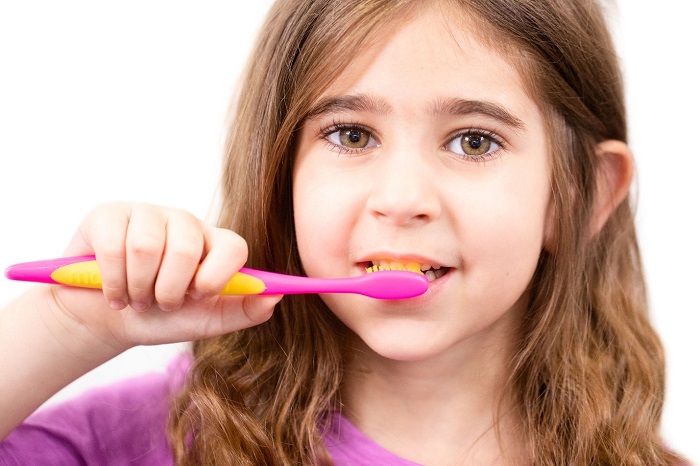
183, 218
182, 213
207, 287
147, 246
137, 290
112, 288
184, 251
187, 245
112, 292
112, 254
239, 244
233, 243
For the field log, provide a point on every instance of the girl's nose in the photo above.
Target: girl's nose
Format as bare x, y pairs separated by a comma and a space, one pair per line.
404, 191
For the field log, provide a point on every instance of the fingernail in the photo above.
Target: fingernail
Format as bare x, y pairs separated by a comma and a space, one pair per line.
117, 304
139, 307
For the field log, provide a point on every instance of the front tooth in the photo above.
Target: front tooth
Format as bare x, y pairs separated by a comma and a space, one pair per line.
425, 267
413, 267
430, 275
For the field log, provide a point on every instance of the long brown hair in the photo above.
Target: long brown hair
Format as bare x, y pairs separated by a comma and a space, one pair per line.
589, 371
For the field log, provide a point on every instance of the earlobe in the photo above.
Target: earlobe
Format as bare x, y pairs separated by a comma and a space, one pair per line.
613, 179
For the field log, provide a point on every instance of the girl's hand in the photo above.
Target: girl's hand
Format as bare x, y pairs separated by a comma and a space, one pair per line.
162, 270
150, 258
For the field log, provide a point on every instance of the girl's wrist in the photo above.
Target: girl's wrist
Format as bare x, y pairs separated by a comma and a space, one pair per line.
92, 344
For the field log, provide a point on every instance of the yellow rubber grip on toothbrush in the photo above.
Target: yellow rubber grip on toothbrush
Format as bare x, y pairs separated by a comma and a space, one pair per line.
86, 274
242, 283
83, 274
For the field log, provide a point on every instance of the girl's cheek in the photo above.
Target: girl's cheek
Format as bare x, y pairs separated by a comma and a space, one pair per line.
324, 209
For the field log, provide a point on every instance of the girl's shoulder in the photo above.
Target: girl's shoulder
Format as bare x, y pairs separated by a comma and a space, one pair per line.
123, 423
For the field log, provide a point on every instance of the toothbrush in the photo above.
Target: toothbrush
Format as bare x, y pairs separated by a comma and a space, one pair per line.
83, 272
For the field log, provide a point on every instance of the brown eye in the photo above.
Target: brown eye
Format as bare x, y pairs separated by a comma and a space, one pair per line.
351, 138
354, 138
473, 145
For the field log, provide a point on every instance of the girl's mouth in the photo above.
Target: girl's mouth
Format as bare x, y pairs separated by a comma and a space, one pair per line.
432, 272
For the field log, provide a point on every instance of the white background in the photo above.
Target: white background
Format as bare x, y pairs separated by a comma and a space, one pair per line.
127, 101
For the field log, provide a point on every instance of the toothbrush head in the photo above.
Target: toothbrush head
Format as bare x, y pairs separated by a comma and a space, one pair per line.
392, 284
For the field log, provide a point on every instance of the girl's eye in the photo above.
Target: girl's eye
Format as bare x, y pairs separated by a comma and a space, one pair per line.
351, 138
473, 144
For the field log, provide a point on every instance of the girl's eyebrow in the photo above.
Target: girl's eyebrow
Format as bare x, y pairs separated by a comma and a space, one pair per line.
454, 107
355, 103
459, 107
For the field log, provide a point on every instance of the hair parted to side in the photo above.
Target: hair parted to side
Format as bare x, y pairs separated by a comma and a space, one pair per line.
588, 375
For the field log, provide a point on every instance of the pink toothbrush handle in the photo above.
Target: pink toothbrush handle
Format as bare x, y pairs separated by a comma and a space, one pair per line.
40, 271
82, 272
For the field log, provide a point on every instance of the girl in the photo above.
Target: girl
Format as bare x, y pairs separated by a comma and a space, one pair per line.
483, 140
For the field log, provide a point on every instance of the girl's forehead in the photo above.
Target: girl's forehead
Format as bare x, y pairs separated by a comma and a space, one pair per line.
427, 58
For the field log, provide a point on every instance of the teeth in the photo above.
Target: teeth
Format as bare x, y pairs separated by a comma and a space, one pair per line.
435, 274
432, 272
393, 265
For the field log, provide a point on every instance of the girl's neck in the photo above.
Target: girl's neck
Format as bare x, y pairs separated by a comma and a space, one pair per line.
438, 411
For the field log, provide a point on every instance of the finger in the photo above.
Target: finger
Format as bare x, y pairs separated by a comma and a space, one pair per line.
183, 251
225, 253
145, 242
231, 313
197, 319
258, 309
104, 230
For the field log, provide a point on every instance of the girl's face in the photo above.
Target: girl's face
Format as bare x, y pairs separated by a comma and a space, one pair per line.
426, 149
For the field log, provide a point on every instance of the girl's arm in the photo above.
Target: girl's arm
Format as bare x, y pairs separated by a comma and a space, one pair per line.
41, 351
161, 271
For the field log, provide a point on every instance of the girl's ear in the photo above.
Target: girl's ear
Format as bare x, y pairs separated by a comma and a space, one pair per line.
613, 179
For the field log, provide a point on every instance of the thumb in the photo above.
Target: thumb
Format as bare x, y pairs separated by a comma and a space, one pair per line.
259, 309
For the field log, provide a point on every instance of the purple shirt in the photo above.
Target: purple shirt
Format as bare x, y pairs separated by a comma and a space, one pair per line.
125, 424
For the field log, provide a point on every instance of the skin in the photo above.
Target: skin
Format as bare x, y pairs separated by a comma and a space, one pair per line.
408, 193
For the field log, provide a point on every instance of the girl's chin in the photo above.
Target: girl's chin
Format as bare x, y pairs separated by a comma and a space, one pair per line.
404, 352
401, 342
